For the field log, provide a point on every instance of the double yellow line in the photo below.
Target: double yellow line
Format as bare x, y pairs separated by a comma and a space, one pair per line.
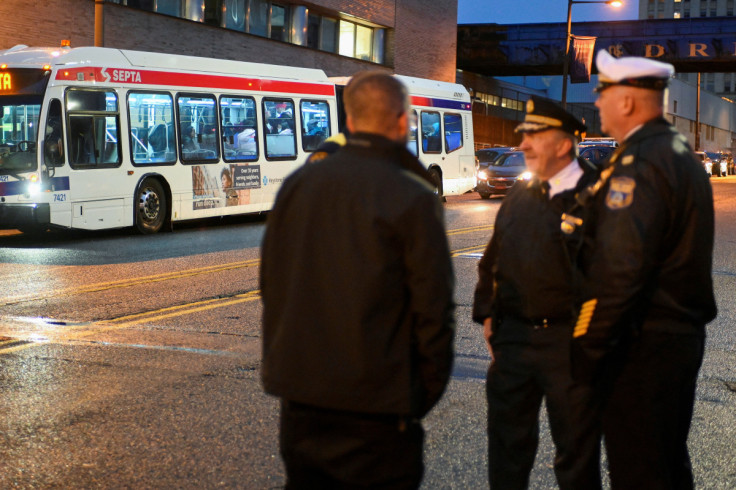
124, 283
79, 331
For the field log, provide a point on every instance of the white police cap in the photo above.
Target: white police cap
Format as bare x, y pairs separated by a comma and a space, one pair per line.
632, 71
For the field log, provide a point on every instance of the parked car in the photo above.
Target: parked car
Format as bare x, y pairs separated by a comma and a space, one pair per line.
489, 155
598, 142
707, 162
596, 154
498, 177
720, 163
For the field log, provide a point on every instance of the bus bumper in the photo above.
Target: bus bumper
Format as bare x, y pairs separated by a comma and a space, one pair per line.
13, 216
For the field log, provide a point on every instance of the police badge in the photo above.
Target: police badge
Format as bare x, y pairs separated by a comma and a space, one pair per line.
620, 193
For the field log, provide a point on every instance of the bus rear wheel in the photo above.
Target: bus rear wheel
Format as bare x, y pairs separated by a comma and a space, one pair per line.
151, 207
437, 180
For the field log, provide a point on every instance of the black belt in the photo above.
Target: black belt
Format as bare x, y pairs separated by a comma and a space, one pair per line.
542, 322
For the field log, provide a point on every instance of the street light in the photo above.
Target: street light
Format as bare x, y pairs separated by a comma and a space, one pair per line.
566, 62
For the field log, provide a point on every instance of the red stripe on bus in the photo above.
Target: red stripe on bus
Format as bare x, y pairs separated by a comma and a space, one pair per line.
147, 77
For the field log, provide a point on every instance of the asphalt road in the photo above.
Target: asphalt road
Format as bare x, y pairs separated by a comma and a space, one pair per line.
132, 361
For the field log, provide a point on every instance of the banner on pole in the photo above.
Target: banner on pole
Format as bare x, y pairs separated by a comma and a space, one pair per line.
582, 59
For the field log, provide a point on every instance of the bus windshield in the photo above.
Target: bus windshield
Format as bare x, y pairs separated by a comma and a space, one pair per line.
19, 135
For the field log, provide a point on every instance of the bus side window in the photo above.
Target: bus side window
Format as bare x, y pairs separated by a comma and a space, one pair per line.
53, 141
412, 144
431, 132
239, 129
152, 135
199, 129
278, 118
453, 132
315, 123
93, 127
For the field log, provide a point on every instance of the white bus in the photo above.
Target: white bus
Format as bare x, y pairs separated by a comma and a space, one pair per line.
441, 131
95, 138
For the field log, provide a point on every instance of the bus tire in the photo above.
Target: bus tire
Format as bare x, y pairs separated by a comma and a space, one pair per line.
151, 207
437, 180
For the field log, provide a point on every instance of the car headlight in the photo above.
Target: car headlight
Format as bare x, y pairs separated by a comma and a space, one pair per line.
483, 175
525, 176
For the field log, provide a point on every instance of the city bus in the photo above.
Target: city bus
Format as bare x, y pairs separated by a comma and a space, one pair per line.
95, 138
98, 138
441, 131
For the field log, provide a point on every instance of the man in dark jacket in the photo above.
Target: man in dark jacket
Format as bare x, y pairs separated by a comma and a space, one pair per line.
357, 288
525, 299
649, 290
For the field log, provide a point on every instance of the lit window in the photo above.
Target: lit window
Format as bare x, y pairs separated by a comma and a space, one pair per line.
347, 38
363, 42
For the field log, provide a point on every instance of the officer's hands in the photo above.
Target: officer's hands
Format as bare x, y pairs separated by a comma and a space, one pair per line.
487, 331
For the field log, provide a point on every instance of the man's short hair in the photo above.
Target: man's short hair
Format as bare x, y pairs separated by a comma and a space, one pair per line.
374, 98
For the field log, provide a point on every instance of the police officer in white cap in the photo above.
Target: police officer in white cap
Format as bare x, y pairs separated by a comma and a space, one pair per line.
525, 300
648, 291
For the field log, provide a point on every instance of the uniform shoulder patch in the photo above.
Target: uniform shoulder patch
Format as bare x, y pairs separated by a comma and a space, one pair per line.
620, 193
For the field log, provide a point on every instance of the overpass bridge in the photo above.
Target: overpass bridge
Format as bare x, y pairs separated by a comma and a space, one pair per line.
703, 44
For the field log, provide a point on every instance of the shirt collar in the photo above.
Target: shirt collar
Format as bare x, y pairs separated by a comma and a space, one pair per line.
565, 179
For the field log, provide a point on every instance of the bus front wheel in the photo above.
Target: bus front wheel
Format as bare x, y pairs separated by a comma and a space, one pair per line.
151, 207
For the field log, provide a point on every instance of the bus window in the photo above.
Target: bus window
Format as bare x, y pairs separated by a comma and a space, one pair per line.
431, 132
53, 142
93, 126
198, 128
315, 123
20, 117
412, 144
278, 117
152, 134
239, 129
453, 132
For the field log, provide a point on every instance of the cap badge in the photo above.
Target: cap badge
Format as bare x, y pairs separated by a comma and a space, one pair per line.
529, 106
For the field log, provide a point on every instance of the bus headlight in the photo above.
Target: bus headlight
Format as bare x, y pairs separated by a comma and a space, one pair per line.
34, 186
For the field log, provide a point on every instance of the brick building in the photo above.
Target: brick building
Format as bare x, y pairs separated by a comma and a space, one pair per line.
408, 37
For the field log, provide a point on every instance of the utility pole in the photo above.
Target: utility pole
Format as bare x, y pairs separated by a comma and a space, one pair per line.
697, 117
99, 23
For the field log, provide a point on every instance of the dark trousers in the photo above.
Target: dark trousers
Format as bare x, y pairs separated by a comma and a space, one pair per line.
330, 449
647, 418
533, 365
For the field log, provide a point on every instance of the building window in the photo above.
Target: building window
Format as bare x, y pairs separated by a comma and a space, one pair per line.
279, 29
356, 41
363, 42
347, 38
258, 18
276, 21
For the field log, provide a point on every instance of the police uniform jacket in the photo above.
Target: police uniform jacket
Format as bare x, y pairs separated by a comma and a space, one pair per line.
527, 271
357, 285
649, 255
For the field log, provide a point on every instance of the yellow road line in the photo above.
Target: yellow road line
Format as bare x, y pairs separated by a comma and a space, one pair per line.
78, 331
123, 283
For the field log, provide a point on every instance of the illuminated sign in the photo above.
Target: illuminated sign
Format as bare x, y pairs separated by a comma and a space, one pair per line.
6, 82
16, 81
